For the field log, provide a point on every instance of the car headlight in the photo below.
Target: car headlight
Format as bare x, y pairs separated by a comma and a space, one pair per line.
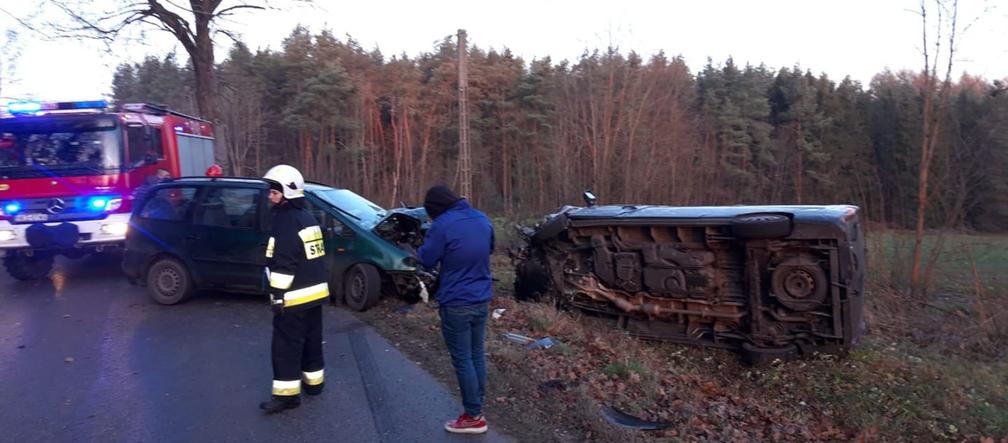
115, 228
7, 235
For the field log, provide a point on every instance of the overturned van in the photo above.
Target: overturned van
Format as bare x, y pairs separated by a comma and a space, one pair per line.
769, 281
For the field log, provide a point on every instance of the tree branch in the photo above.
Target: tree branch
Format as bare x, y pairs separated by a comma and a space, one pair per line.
227, 11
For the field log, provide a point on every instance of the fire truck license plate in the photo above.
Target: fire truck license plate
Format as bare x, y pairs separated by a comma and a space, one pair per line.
31, 218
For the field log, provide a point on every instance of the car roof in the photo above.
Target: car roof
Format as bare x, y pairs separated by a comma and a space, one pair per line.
223, 180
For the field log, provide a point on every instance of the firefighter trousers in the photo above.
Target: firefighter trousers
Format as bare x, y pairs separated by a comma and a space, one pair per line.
297, 352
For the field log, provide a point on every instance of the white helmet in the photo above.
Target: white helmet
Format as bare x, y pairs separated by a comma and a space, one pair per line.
289, 179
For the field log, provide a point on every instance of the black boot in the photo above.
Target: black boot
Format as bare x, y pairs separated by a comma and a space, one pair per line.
280, 403
313, 389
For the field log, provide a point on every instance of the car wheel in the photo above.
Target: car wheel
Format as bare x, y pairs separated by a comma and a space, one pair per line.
362, 287
799, 283
24, 267
755, 226
168, 281
531, 282
760, 356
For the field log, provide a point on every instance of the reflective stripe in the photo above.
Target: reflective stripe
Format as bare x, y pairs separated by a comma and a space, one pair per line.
314, 246
269, 247
313, 378
280, 281
286, 387
306, 295
310, 233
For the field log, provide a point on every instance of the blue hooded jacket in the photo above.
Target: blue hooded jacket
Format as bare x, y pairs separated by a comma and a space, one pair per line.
461, 240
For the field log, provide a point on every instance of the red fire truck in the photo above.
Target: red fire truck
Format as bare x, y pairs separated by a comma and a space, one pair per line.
69, 172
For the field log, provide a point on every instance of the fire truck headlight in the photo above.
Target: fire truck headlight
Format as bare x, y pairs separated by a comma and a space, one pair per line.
11, 208
115, 228
113, 204
7, 235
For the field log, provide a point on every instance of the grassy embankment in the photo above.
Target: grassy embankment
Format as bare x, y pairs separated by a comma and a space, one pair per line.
930, 369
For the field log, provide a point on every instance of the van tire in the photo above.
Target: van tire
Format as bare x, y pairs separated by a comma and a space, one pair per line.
168, 281
28, 267
757, 226
362, 287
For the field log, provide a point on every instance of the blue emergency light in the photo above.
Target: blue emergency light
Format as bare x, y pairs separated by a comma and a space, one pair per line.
32, 107
104, 203
12, 208
98, 202
24, 107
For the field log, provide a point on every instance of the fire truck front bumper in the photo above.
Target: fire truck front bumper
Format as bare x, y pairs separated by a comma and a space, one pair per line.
64, 236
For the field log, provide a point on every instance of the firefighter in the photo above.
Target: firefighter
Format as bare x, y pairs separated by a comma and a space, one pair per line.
297, 286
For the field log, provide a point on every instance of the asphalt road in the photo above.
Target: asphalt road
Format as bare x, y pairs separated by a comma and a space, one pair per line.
85, 356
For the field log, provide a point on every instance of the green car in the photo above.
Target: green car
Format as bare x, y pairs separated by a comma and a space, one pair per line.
194, 234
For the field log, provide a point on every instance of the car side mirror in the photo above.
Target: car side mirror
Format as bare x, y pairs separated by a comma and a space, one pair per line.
589, 198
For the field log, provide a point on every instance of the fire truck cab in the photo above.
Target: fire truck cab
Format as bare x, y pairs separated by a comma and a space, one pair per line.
70, 172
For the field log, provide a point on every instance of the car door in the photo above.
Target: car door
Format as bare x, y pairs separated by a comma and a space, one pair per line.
339, 241
162, 225
228, 242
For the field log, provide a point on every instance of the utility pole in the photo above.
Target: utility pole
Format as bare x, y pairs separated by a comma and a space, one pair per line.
464, 161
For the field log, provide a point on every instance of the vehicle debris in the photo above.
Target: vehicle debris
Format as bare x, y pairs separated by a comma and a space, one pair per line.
517, 338
544, 343
622, 419
497, 313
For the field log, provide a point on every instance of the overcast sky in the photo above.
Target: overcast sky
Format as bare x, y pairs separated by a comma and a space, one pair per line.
849, 37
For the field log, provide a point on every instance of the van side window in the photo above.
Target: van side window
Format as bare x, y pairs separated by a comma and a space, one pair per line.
169, 204
228, 207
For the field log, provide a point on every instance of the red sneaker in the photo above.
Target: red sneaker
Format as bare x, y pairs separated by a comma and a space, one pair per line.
467, 425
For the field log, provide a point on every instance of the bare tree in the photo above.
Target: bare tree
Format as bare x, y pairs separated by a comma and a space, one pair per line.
936, 99
194, 26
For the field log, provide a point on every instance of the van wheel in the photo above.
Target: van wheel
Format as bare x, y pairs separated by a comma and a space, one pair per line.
28, 267
754, 226
168, 281
362, 287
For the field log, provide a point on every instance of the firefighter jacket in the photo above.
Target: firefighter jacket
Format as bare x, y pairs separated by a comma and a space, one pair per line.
295, 259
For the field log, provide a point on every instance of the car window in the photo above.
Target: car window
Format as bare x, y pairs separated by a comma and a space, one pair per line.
327, 221
228, 207
171, 204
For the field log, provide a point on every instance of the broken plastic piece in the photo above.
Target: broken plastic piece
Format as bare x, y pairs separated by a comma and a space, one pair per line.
517, 338
545, 343
497, 313
423, 291
622, 419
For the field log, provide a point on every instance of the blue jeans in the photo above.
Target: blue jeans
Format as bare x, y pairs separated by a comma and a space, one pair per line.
464, 330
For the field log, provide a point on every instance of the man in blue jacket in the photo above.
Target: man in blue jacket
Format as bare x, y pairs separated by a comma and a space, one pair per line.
461, 240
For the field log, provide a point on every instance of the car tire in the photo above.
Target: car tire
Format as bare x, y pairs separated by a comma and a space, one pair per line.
760, 356
758, 226
531, 282
362, 287
27, 268
168, 281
